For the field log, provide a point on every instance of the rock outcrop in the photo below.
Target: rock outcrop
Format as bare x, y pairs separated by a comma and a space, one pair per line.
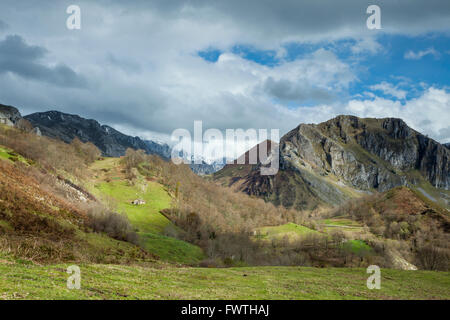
369, 153
329, 162
9, 115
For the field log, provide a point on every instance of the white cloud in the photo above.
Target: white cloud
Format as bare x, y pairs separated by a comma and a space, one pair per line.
411, 55
141, 59
366, 45
428, 114
389, 89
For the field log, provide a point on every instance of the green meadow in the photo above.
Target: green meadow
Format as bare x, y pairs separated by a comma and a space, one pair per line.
20, 280
150, 224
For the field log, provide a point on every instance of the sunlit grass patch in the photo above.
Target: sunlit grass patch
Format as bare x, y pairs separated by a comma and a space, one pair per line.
291, 230
146, 218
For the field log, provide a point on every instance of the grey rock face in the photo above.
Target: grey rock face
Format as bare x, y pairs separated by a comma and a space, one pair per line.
367, 153
111, 142
9, 115
329, 162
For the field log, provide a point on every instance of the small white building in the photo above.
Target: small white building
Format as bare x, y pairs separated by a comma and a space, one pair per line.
138, 202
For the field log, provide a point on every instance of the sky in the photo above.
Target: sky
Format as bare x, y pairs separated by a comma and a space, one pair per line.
149, 67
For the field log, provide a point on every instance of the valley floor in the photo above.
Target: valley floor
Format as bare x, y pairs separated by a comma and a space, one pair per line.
19, 280
30, 222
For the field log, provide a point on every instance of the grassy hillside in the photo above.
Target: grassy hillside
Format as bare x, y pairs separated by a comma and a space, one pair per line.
10, 155
167, 282
357, 247
110, 185
46, 224
291, 230
344, 224
39, 225
45, 207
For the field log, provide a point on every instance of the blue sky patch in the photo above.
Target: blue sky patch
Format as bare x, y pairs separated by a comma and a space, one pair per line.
406, 64
210, 55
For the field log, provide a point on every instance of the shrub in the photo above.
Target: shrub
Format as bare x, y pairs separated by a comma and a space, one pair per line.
432, 257
115, 225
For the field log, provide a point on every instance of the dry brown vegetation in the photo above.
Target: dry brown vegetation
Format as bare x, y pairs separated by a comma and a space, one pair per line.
21, 201
223, 222
398, 223
418, 228
114, 224
50, 154
40, 224
41, 212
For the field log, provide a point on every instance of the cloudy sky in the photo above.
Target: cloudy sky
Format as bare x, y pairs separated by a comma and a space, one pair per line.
149, 67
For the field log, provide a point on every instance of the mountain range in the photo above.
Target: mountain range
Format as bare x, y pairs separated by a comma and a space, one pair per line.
111, 142
319, 164
333, 161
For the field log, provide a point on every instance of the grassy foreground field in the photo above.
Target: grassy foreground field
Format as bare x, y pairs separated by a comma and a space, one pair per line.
19, 280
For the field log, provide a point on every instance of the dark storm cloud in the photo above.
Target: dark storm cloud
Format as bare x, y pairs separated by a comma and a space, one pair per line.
289, 91
3, 25
13, 47
308, 19
24, 60
123, 64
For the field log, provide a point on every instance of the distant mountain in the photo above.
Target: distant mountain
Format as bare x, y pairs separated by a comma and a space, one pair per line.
161, 149
111, 142
338, 159
205, 168
447, 145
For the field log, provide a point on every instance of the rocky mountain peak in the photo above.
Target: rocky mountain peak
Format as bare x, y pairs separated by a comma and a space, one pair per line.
396, 128
9, 115
327, 162
384, 151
